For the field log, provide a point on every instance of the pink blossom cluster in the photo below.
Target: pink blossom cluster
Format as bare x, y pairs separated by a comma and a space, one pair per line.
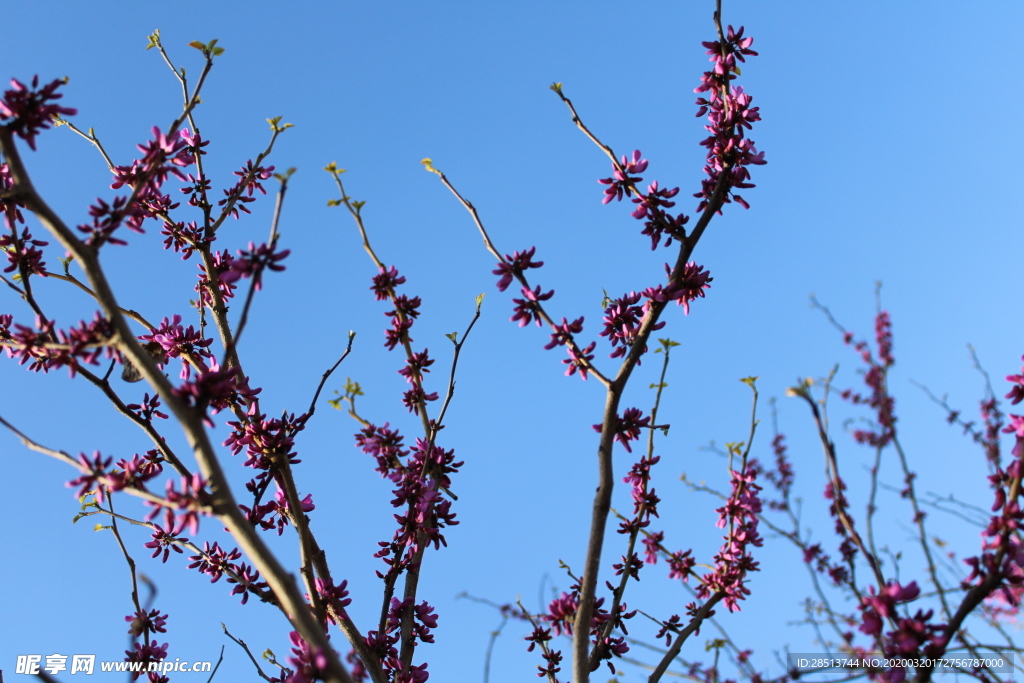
560, 616
729, 112
44, 347
880, 400
31, 109
911, 637
733, 561
650, 206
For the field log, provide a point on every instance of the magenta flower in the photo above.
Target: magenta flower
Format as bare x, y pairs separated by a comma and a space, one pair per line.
180, 342
680, 565
729, 114
32, 109
579, 359
384, 283
214, 560
627, 428
143, 622
652, 544
95, 479
527, 309
22, 252
165, 540
246, 580
415, 366
514, 266
253, 262
336, 597
563, 333
145, 654
623, 180
308, 663
562, 613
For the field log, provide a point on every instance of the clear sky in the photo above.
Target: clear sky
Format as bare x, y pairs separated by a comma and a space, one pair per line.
892, 156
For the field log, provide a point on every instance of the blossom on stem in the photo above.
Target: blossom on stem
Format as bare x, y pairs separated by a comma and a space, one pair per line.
385, 281
415, 366
623, 179
729, 114
178, 341
146, 622
622, 319
875, 376
564, 332
253, 262
145, 655
136, 472
22, 252
733, 561
309, 664
246, 580
95, 478
527, 309
214, 560
166, 539
32, 109
335, 597
579, 359
627, 428
514, 266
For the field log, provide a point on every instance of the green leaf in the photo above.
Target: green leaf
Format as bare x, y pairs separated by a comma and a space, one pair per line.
454, 336
749, 381
275, 124
352, 388
333, 202
358, 205
197, 45
557, 87
480, 299
715, 644
428, 165
154, 39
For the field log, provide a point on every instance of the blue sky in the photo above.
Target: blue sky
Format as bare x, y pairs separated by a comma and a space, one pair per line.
892, 156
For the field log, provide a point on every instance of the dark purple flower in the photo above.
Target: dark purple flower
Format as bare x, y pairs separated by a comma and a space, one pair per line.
253, 262
214, 560
415, 366
165, 540
527, 309
246, 580
514, 265
32, 109
384, 283
95, 477
622, 179
579, 359
22, 252
142, 622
